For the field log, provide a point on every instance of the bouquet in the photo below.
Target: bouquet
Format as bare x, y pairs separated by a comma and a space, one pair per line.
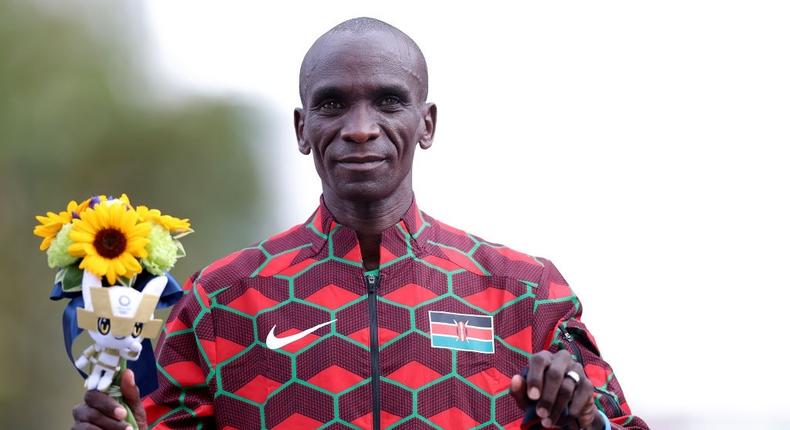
113, 262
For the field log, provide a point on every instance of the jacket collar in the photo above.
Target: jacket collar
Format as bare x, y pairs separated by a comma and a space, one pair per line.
407, 235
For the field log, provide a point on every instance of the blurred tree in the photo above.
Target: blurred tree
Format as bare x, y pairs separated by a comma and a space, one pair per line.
78, 117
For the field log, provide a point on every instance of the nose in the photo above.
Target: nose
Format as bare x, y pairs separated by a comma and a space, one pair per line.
360, 125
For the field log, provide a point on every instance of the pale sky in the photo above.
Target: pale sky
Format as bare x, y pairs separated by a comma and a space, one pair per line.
643, 147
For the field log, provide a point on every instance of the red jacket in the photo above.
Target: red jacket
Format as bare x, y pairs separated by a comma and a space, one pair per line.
278, 335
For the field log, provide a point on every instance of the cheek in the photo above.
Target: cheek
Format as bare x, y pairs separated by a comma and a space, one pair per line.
319, 164
318, 136
407, 128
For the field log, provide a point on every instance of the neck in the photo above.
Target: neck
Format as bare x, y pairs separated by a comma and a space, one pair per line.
369, 218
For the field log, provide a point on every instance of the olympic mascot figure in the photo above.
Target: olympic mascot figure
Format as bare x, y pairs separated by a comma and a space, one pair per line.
117, 318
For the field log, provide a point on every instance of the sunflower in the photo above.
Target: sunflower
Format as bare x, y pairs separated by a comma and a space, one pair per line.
76, 209
171, 223
110, 239
52, 222
50, 225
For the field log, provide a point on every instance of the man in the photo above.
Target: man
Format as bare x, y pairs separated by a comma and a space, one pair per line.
372, 314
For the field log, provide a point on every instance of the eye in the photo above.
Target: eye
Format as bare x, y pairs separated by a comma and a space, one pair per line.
137, 330
103, 325
389, 101
331, 105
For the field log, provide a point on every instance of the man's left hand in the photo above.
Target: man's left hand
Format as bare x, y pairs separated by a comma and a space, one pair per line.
552, 389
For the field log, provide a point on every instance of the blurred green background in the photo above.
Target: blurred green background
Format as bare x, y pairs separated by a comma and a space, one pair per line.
81, 114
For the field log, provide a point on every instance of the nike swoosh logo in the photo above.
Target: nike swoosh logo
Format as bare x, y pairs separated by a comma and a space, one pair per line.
274, 342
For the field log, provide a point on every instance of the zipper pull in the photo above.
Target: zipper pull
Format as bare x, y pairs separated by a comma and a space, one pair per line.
371, 279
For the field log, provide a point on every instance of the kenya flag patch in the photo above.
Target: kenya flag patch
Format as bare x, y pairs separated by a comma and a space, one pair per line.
462, 332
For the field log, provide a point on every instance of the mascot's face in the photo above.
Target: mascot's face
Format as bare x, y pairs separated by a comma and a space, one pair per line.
119, 317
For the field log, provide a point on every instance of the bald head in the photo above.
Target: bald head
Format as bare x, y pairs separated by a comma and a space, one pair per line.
365, 36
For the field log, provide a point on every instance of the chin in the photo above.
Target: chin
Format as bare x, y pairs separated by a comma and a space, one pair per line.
363, 192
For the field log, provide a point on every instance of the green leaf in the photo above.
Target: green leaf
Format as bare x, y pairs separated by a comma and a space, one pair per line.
183, 233
59, 276
72, 279
127, 282
180, 252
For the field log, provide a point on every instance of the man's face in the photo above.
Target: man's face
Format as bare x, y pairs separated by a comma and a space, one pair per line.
363, 114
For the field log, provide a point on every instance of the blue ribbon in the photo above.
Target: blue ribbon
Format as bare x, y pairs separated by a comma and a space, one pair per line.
144, 368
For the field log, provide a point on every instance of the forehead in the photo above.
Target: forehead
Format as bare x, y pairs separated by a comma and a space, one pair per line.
350, 61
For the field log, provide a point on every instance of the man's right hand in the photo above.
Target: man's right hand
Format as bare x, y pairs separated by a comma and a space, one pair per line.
100, 411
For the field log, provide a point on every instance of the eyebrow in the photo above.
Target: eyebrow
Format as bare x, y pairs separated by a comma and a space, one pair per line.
400, 91
323, 93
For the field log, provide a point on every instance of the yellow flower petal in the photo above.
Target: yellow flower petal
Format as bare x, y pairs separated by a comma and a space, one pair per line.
84, 205
131, 263
124, 198
45, 244
110, 274
128, 221
76, 249
102, 216
135, 245
49, 227
143, 229
96, 265
80, 236
86, 226
120, 269
89, 217
114, 215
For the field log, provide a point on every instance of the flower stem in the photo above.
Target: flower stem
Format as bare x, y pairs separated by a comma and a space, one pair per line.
115, 392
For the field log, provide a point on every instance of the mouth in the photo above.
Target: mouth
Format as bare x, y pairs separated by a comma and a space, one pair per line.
361, 162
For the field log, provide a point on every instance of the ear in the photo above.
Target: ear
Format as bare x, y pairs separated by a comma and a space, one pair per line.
429, 125
89, 280
155, 286
304, 147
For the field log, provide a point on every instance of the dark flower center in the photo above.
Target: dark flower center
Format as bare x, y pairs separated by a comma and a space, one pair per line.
109, 243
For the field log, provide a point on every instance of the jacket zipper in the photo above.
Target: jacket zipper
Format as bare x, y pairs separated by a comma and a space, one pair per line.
569, 338
373, 284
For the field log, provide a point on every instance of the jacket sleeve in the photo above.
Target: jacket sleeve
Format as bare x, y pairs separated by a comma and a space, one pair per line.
184, 399
559, 312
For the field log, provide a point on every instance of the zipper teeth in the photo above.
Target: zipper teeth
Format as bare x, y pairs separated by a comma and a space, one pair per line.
372, 282
578, 353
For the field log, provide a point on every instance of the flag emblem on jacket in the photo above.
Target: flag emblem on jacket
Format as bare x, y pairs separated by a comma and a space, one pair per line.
462, 332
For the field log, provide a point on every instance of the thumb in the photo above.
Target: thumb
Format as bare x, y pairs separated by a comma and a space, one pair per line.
517, 390
131, 395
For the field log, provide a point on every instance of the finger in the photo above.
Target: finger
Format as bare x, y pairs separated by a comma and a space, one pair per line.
131, 395
567, 422
588, 414
518, 390
129, 389
104, 404
83, 414
537, 365
85, 426
582, 396
566, 390
552, 379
